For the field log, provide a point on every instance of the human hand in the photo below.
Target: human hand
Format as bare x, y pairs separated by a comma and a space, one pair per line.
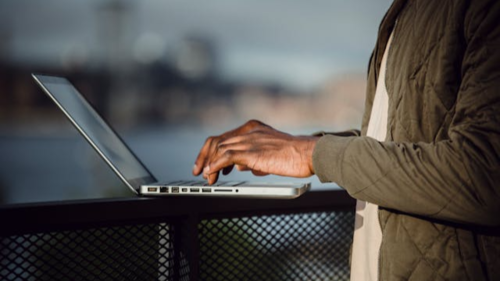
259, 148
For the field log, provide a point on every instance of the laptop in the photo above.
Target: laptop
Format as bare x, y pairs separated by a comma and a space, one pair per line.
111, 148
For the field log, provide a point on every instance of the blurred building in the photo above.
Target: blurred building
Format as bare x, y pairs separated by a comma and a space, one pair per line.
177, 63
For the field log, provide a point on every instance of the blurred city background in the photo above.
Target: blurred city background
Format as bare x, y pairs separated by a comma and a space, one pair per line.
167, 74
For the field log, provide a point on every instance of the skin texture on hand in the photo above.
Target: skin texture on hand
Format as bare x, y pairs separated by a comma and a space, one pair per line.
258, 148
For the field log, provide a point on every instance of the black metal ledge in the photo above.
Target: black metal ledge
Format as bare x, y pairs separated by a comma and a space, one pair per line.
36, 217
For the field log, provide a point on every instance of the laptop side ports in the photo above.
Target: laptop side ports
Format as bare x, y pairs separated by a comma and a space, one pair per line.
223, 190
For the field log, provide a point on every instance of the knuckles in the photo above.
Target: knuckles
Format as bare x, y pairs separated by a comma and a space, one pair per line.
210, 139
253, 123
222, 146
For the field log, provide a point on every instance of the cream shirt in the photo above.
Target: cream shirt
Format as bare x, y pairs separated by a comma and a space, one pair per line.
367, 232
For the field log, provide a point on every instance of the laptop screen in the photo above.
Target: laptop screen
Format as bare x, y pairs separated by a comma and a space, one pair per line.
96, 130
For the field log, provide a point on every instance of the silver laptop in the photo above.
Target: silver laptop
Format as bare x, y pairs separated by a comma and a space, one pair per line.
130, 169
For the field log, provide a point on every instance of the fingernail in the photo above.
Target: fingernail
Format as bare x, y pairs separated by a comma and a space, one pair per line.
207, 168
195, 168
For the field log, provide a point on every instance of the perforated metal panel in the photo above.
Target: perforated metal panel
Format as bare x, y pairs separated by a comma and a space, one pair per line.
133, 252
305, 246
310, 246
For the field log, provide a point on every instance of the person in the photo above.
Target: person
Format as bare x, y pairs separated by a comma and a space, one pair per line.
425, 165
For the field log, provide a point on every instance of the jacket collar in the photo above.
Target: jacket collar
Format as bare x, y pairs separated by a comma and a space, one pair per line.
385, 29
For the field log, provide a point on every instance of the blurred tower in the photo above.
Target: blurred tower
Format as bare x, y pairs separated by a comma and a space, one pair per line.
115, 34
114, 18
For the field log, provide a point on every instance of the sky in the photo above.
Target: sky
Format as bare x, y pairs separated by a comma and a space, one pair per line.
291, 42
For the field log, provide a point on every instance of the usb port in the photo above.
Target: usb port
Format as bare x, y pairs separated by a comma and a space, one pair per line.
163, 189
206, 190
152, 189
194, 189
184, 189
175, 189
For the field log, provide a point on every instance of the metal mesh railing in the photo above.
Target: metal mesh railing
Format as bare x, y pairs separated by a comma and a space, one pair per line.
308, 246
300, 246
132, 252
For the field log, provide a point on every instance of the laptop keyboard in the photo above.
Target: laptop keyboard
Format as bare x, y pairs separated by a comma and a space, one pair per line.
203, 183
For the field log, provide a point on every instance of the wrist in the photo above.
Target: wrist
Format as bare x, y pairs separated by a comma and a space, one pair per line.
309, 145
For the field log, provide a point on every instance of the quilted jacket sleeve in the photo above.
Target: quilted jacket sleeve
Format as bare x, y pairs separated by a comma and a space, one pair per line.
457, 179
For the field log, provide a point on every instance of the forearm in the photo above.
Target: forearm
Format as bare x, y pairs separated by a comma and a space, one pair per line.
435, 180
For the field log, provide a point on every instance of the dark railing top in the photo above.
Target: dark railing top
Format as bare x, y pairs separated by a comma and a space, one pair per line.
33, 217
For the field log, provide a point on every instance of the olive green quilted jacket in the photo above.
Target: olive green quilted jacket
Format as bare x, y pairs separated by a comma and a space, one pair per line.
436, 177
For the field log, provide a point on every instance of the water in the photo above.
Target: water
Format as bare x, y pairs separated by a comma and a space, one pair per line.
65, 167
